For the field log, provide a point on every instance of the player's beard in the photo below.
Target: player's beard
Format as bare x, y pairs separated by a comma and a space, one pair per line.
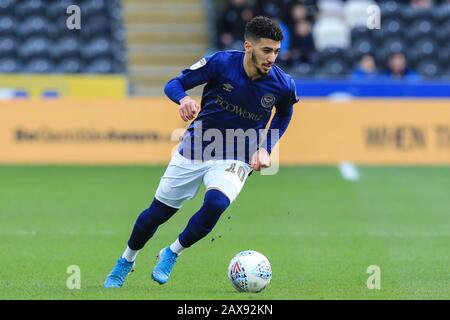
255, 63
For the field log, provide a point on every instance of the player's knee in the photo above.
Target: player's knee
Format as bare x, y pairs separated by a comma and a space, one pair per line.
214, 205
155, 215
215, 201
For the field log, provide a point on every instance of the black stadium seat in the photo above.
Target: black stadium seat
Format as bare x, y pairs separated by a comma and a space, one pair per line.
390, 9
421, 29
302, 70
8, 47
7, 7
40, 65
60, 24
66, 47
383, 35
423, 14
393, 25
332, 62
423, 50
34, 26
334, 67
381, 56
7, 25
394, 45
90, 8
443, 34
102, 65
426, 48
97, 48
441, 14
362, 46
361, 32
9, 65
34, 48
69, 65
97, 26
446, 73
444, 56
26, 8
411, 14
353, 57
329, 54
59, 8
428, 68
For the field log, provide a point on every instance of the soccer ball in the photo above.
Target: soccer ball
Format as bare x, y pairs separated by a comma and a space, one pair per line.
249, 271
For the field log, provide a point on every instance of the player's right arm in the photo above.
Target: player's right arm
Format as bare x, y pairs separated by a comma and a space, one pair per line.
188, 108
201, 72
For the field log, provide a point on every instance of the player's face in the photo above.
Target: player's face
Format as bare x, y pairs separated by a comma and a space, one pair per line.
264, 54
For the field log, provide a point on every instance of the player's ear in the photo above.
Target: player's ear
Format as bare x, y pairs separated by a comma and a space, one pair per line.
247, 45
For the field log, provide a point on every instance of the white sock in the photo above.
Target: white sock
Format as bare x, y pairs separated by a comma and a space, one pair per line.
130, 255
177, 247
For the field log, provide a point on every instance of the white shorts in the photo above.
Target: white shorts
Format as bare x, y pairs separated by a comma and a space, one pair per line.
183, 177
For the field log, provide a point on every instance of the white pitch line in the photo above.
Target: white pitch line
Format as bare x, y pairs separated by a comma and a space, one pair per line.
348, 171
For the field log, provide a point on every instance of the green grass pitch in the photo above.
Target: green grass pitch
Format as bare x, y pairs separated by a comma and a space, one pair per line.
319, 232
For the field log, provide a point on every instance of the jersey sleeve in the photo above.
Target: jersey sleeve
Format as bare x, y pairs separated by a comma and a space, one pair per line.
289, 99
199, 73
282, 117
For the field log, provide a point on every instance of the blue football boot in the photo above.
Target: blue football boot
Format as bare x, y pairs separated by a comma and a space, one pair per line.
118, 274
164, 265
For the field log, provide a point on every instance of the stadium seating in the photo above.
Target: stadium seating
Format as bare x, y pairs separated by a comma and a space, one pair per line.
332, 62
340, 27
34, 37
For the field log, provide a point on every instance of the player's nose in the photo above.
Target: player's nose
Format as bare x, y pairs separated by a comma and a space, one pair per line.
272, 58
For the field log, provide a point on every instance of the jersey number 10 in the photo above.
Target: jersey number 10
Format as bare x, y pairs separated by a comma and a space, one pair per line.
240, 172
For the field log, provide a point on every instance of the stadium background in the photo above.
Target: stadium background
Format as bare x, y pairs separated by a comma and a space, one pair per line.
85, 133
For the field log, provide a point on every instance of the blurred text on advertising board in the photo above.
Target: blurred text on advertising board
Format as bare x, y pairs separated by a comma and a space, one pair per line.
145, 131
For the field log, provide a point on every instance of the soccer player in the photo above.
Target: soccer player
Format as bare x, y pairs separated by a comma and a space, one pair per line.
241, 90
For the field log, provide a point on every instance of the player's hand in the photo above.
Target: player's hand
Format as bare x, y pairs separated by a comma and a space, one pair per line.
188, 108
260, 159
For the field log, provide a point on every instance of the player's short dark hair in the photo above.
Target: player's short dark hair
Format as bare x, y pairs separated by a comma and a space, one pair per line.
263, 27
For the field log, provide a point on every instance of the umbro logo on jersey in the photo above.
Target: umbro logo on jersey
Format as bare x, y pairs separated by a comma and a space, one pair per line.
228, 87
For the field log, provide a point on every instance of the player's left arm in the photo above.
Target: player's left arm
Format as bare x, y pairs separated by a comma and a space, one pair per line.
277, 128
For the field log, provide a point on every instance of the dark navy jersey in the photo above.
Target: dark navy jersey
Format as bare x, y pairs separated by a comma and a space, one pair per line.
232, 100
